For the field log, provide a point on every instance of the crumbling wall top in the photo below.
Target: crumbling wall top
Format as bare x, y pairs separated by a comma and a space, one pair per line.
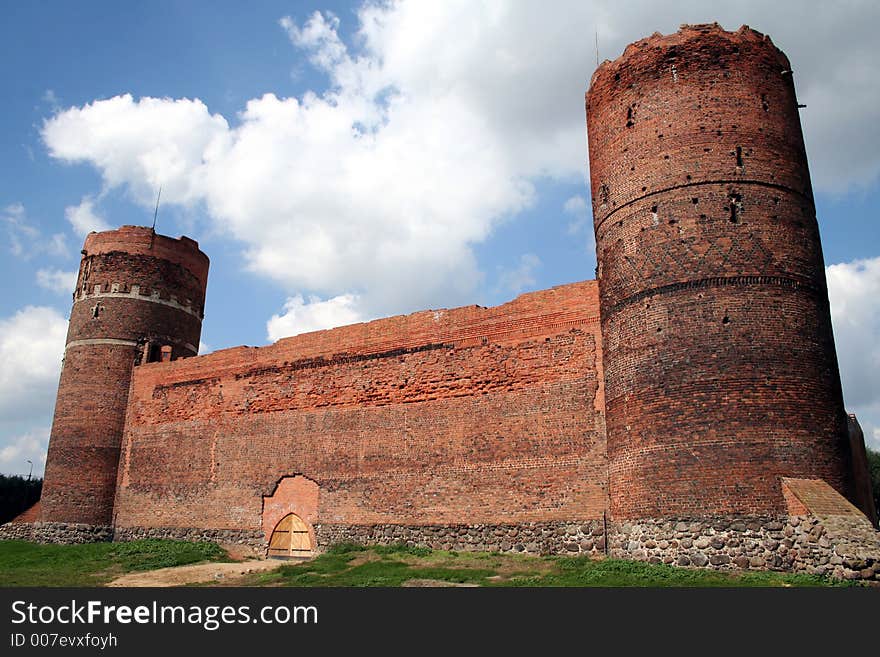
707, 38
141, 240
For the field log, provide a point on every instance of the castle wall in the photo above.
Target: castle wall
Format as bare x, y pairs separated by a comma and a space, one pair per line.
461, 416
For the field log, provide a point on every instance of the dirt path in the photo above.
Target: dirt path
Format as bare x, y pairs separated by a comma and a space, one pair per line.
205, 572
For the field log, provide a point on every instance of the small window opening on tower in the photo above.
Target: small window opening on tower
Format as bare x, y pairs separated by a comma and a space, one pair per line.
153, 353
96, 310
735, 208
654, 217
630, 116
739, 156
725, 319
764, 104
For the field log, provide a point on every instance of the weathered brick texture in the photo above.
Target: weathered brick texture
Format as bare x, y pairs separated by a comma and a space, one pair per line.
136, 291
454, 416
720, 365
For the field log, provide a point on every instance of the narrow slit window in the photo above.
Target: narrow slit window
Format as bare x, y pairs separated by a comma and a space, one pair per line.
735, 208
739, 156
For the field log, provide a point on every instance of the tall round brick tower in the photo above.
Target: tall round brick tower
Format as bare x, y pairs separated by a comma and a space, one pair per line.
139, 297
721, 373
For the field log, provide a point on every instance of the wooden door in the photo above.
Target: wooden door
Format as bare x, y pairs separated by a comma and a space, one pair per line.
290, 538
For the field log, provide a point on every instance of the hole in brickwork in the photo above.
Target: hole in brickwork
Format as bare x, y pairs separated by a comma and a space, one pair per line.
659, 330
644, 189
672, 222
630, 116
725, 319
665, 157
775, 200
739, 156
688, 177
735, 208
695, 200
617, 77
764, 104
654, 217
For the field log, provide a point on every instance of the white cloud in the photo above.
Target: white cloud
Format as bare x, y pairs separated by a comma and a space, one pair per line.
17, 451
435, 128
52, 100
204, 348
31, 348
25, 239
301, 316
854, 292
56, 280
577, 207
522, 276
83, 218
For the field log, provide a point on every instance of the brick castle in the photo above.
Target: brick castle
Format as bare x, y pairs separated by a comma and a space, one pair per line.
685, 407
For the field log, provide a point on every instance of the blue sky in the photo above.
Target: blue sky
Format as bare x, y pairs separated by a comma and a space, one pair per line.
345, 161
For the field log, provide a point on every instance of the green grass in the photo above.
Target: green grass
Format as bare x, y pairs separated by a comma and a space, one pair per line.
353, 565
94, 564
28, 564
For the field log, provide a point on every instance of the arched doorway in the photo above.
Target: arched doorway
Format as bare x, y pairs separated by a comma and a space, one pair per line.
290, 538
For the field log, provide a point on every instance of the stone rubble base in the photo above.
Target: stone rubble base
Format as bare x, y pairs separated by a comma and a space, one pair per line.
840, 547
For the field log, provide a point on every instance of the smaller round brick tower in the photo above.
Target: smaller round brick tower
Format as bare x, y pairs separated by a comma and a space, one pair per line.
139, 298
720, 368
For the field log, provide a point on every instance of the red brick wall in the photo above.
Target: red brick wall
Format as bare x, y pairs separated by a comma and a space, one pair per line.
454, 416
720, 365
134, 288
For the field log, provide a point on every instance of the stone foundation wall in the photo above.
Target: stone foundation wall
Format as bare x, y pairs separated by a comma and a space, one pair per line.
586, 537
69, 533
55, 532
252, 539
840, 547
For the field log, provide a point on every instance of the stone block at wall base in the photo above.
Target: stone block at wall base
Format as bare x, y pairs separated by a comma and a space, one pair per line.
55, 532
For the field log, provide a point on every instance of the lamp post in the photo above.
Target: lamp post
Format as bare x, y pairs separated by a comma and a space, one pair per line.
31, 470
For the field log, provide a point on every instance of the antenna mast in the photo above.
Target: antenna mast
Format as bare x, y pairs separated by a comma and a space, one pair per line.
156, 212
